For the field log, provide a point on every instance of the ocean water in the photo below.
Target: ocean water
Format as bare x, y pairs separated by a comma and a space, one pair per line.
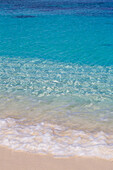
56, 77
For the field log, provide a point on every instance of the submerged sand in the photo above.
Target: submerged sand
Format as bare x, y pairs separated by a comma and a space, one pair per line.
13, 160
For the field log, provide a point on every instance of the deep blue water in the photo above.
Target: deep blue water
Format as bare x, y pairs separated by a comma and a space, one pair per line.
66, 31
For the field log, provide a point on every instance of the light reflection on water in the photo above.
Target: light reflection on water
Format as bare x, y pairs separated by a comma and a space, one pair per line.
57, 92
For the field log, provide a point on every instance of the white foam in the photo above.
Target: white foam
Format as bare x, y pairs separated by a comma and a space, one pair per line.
54, 139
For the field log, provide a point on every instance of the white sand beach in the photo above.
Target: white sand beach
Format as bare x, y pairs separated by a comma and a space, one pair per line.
14, 160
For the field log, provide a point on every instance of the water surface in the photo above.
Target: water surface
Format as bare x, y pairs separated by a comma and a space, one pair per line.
56, 77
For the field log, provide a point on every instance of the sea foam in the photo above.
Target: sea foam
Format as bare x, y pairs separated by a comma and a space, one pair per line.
54, 139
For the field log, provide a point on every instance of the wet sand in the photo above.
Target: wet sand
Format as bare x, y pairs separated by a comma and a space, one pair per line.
14, 160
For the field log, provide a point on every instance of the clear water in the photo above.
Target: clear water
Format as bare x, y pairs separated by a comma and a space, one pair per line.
56, 77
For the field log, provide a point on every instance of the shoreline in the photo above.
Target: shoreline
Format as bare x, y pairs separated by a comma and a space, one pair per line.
54, 139
19, 160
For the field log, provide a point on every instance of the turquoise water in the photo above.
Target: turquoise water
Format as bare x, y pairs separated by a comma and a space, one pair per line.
56, 77
66, 38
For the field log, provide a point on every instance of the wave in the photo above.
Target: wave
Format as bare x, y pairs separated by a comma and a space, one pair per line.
54, 139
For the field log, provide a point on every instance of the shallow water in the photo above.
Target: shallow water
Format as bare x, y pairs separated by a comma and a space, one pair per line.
56, 77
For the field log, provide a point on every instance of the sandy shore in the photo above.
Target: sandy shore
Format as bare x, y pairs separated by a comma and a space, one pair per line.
11, 160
